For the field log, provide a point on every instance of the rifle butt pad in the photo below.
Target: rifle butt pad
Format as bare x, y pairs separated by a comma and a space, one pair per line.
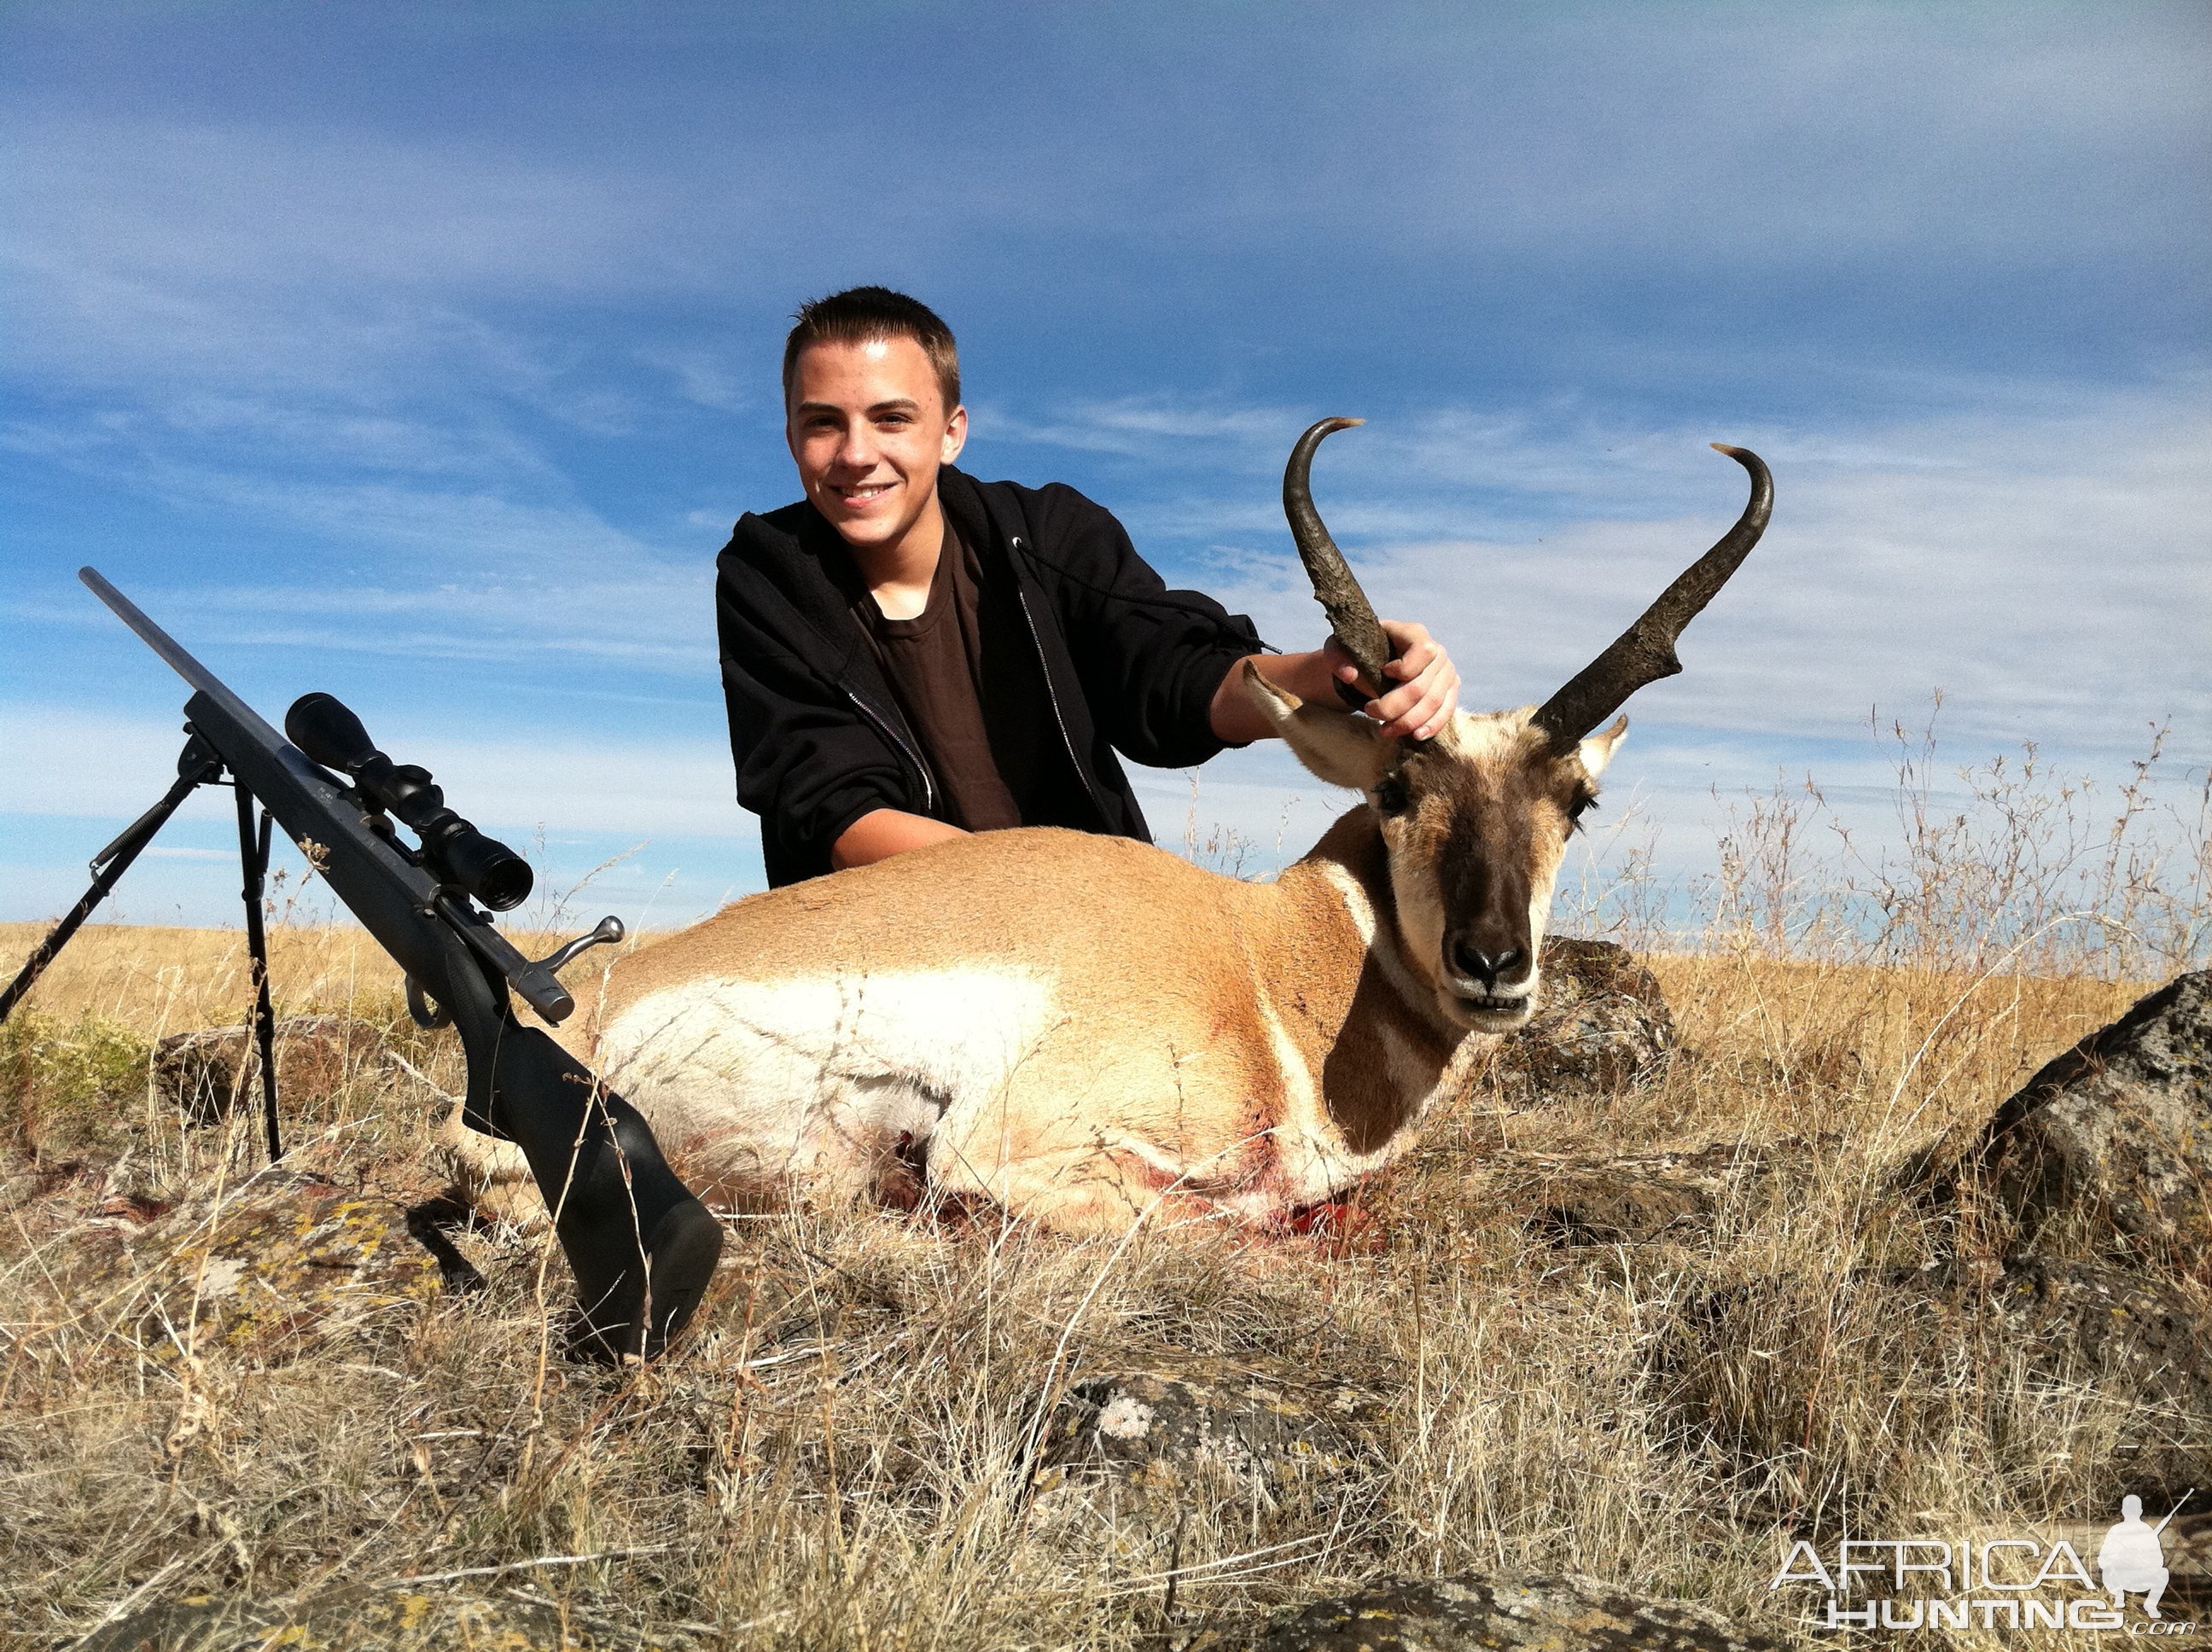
642, 1246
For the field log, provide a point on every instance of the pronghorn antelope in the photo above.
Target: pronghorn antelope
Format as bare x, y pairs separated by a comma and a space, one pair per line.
1080, 1028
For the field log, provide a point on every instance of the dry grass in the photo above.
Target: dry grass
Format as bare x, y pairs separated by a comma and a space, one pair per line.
159, 981
835, 1459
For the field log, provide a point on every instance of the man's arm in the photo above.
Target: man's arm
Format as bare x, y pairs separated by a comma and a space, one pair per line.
807, 763
882, 833
1154, 661
1426, 694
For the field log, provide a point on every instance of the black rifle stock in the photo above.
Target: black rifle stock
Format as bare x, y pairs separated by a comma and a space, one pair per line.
643, 1248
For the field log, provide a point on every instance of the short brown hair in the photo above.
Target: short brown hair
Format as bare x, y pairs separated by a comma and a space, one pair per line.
859, 315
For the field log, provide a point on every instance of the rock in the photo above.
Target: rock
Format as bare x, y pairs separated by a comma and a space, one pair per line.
2141, 1341
283, 1261
1475, 1612
2082, 1317
1634, 1200
2112, 1141
207, 1072
366, 1619
2118, 1364
1162, 1438
1603, 1025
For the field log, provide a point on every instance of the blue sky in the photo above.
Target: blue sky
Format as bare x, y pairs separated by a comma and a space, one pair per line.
425, 354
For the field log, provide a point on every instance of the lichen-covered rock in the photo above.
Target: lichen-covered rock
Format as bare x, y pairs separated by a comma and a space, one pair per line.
2119, 1363
2141, 1341
1630, 1199
278, 1262
2086, 1317
1166, 1437
207, 1072
2113, 1140
366, 1619
1474, 1612
1602, 1026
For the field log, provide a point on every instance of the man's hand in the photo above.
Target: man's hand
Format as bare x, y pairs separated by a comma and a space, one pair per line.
1418, 700
1427, 682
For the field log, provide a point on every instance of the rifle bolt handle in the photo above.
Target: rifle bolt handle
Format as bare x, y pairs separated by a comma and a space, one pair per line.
609, 930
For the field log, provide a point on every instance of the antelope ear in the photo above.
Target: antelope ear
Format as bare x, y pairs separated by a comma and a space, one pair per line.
1340, 747
1596, 749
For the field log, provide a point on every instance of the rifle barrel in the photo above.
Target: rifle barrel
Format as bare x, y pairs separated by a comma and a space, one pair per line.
174, 653
2172, 1512
311, 802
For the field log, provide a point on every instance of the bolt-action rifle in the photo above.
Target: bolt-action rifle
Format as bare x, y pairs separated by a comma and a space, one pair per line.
642, 1246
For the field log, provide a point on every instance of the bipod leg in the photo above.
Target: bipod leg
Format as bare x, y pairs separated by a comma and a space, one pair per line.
253, 857
194, 769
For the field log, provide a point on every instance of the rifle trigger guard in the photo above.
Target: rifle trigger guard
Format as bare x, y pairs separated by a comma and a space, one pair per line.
421, 1012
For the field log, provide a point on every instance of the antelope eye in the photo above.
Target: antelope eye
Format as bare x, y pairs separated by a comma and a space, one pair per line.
1390, 795
1583, 803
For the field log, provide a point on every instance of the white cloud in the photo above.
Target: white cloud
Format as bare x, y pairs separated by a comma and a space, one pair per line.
1157, 429
665, 808
175, 235
244, 201
705, 378
509, 783
2045, 564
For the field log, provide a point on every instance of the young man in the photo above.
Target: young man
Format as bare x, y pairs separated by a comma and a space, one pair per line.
910, 654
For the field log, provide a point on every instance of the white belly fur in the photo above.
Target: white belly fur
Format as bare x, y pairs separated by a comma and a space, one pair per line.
819, 1076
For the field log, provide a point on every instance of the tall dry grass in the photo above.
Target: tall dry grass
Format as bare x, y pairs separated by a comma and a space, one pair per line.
835, 1459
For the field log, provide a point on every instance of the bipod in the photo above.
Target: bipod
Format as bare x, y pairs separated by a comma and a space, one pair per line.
197, 765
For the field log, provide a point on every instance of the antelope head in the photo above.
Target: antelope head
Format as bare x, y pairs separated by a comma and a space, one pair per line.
1475, 821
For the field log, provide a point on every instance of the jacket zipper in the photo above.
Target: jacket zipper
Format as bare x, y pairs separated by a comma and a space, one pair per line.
891, 733
1052, 694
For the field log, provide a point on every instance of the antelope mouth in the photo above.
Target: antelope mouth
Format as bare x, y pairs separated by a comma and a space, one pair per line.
1490, 1012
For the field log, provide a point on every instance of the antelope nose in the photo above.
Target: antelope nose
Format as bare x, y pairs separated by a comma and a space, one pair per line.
1488, 968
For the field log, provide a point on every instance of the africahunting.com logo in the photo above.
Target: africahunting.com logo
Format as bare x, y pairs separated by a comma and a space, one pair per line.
2004, 1583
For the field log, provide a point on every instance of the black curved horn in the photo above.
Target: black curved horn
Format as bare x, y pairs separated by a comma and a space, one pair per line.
1351, 616
1644, 653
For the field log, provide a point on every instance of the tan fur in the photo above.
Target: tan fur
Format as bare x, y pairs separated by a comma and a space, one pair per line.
1079, 1028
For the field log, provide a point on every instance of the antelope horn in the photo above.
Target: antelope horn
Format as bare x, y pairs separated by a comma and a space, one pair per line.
1350, 616
1644, 653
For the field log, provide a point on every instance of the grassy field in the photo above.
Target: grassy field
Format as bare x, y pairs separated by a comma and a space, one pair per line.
156, 980
836, 1457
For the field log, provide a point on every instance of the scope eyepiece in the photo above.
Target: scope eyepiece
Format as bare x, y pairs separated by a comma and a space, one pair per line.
322, 726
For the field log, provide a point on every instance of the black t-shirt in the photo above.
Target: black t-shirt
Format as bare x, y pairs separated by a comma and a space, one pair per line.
967, 677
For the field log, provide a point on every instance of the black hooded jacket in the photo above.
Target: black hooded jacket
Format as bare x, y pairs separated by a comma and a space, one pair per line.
1130, 667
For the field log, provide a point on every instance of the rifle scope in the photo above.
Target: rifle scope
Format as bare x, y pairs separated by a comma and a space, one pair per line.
321, 726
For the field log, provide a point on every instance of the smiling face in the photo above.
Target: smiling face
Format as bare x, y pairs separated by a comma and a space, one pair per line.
868, 428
